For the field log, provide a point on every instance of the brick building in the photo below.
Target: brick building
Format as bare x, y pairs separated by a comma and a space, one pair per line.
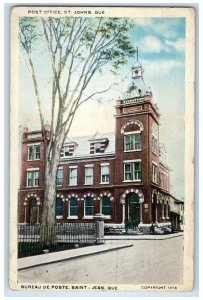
119, 174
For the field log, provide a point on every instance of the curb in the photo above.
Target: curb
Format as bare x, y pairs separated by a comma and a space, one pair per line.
74, 257
142, 237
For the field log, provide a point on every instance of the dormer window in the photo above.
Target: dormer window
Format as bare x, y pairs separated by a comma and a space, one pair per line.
97, 148
68, 150
98, 145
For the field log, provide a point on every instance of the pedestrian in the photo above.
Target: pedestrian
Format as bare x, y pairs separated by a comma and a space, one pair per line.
126, 225
152, 228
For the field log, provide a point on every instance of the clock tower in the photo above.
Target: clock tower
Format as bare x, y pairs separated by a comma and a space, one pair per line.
137, 150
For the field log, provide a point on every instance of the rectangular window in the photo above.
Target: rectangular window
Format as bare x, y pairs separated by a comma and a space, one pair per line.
137, 170
132, 171
34, 152
105, 174
32, 178
128, 171
154, 173
89, 175
73, 174
59, 177
132, 142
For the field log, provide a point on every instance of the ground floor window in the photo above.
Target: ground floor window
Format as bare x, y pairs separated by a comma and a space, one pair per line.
73, 207
59, 206
89, 208
33, 211
106, 206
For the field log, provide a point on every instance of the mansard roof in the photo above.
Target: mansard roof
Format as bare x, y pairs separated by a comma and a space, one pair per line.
82, 148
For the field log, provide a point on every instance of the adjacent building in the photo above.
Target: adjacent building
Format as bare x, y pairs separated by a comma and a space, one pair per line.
120, 174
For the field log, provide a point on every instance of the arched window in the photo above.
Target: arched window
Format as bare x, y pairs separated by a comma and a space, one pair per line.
89, 207
106, 206
59, 206
73, 207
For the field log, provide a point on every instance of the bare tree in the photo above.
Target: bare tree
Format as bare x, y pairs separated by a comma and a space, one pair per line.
78, 48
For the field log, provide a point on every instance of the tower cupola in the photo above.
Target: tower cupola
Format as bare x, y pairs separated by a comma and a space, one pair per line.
137, 87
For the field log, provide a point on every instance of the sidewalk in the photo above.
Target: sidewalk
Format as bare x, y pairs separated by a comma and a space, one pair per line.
131, 237
54, 257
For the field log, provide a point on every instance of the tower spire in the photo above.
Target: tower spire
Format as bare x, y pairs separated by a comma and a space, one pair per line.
137, 52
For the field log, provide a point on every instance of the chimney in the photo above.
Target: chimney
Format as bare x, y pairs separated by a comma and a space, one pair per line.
47, 126
25, 130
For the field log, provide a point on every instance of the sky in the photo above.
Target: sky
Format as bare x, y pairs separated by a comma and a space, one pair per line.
161, 44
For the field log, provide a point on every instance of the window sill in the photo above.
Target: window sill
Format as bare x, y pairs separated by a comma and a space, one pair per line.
88, 183
88, 218
59, 217
34, 186
33, 159
138, 150
138, 180
59, 184
107, 217
104, 183
72, 218
72, 185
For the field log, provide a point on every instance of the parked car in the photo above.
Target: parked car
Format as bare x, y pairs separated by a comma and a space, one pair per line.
163, 230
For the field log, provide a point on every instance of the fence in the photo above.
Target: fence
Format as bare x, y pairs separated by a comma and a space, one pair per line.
34, 239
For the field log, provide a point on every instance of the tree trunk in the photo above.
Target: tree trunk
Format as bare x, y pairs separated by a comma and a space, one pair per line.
48, 225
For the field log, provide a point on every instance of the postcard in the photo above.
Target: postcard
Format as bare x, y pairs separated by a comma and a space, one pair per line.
102, 148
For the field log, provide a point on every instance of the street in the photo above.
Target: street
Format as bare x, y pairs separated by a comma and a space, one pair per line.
146, 262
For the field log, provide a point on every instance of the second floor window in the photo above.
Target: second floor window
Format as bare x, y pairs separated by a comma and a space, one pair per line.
105, 174
73, 174
34, 152
132, 142
33, 178
154, 173
59, 177
132, 171
89, 175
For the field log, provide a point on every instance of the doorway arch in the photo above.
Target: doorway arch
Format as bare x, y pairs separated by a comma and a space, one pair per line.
132, 201
133, 209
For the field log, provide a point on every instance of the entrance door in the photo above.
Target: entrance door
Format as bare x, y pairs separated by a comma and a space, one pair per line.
133, 210
33, 212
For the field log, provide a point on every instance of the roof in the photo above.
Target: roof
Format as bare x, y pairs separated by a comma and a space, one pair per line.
83, 144
177, 198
